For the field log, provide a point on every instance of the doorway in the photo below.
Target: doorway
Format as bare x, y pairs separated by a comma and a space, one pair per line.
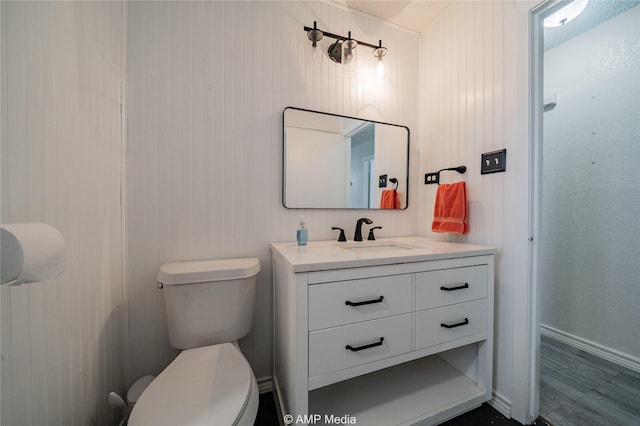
587, 217
362, 165
368, 177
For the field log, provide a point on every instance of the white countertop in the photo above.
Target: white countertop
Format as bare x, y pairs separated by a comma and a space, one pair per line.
324, 255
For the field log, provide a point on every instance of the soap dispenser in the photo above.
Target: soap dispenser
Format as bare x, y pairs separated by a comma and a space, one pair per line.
302, 235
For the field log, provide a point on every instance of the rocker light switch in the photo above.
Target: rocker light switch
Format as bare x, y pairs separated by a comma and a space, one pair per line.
493, 162
382, 181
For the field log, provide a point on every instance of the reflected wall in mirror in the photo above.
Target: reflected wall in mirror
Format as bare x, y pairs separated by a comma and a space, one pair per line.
338, 162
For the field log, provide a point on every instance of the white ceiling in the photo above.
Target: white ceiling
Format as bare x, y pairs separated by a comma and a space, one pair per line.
596, 12
415, 15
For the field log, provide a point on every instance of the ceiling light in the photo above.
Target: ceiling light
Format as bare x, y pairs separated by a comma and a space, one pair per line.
566, 14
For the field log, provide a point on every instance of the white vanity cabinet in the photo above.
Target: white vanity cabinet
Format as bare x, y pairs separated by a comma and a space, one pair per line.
382, 338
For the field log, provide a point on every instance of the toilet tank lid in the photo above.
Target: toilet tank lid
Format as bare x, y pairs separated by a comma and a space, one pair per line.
207, 270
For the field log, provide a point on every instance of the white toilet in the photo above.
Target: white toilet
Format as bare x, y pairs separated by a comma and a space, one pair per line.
209, 307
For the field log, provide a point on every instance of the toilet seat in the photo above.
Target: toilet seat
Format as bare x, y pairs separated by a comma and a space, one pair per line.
211, 385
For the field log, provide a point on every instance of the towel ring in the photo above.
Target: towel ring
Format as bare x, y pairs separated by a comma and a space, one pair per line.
394, 180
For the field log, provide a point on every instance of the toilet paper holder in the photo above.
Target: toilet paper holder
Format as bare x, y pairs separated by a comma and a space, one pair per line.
30, 252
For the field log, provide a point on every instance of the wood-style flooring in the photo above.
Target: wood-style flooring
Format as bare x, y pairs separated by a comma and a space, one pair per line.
580, 389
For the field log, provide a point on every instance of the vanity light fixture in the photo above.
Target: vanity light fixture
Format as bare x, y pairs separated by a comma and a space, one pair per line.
566, 14
342, 50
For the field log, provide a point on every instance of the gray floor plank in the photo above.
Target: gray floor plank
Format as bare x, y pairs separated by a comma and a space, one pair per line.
615, 399
629, 381
577, 388
550, 396
578, 406
568, 415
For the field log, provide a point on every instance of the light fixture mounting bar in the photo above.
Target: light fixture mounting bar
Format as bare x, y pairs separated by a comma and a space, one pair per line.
342, 38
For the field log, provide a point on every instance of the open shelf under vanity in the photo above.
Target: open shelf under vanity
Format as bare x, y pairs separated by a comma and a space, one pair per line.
426, 388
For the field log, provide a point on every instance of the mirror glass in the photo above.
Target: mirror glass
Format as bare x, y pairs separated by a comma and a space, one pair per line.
338, 162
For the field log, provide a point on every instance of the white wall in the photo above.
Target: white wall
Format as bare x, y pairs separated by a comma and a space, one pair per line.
391, 161
62, 340
207, 86
317, 168
590, 259
470, 74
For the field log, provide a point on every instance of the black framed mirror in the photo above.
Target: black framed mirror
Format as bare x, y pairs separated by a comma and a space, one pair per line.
334, 161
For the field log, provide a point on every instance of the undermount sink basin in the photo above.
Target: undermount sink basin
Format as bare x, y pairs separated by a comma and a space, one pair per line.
375, 246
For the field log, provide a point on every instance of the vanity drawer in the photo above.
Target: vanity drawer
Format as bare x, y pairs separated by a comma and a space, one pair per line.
464, 320
449, 286
347, 302
368, 341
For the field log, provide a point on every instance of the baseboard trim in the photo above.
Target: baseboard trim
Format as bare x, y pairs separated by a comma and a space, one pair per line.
265, 384
501, 403
612, 355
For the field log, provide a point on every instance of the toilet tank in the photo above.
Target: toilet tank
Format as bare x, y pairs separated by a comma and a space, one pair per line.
209, 301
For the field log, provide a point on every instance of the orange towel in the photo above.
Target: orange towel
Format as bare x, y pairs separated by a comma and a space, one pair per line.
389, 199
450, 212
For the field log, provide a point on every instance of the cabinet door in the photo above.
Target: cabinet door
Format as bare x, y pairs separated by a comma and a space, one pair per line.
339, 348
464, 321
449, 286
347, 302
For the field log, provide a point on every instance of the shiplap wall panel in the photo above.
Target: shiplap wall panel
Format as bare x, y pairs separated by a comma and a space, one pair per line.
207, 86
61, 147
468, 106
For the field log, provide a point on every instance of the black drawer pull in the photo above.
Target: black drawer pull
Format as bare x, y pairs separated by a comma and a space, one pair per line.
370, 345
366, 302
460, 287
465, 322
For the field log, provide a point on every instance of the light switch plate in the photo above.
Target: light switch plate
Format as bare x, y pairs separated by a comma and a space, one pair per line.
382, 181
493, 162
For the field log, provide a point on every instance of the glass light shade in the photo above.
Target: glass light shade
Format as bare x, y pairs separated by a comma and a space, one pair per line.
317, 53
378, 55
348, 50
315, 35
566, 14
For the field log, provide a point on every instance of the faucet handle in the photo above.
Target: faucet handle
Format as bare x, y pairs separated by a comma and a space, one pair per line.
372, 237
341, 237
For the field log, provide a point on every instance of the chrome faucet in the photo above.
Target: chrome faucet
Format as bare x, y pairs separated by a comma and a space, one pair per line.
358, 236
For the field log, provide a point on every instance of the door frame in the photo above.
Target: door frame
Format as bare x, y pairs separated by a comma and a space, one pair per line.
525, 401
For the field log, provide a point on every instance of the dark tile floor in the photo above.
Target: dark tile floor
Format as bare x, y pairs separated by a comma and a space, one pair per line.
267, 412
486, 415
481, 416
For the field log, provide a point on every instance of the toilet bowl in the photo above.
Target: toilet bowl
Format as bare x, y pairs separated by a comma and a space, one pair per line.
209, 307
213, 385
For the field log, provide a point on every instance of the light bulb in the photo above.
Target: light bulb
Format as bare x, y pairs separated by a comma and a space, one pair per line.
378, 54
380, 68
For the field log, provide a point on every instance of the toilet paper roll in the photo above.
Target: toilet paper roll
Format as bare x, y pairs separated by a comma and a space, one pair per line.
30, 252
